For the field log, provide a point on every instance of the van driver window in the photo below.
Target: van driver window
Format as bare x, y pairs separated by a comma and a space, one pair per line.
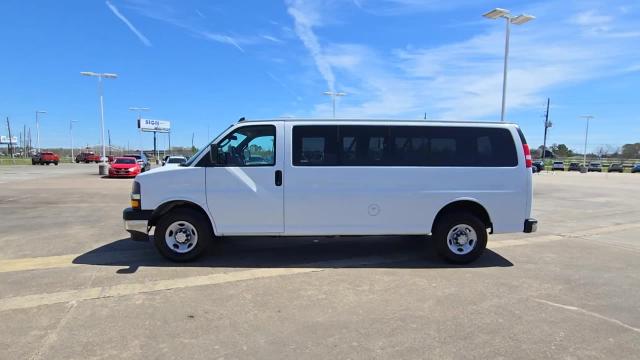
248, 146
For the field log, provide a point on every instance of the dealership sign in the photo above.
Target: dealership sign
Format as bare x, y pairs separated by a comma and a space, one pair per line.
5, 140
154, 125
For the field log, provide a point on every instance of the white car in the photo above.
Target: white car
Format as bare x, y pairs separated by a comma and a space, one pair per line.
455, 181
557, 165
174, 161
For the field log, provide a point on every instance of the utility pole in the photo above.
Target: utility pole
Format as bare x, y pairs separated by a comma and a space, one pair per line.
71, 136
586, 135
10, 144
192, 135
38, 126
547, 125
109, 136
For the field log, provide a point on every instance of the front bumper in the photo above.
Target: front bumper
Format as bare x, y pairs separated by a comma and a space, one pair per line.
136, 223
530, 225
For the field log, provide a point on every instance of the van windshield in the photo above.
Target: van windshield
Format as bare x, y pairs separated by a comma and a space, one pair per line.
195, 156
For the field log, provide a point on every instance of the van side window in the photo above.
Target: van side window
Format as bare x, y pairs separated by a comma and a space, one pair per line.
315, 145
363, 145
371, 145
248, 146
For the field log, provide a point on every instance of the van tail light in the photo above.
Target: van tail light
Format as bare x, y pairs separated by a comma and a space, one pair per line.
527, 155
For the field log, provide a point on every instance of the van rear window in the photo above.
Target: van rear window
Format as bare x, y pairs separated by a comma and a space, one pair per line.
364, 145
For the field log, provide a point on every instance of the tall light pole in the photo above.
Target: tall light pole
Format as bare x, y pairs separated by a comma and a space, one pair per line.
510, 19
71, 135
333, 95
100, 76
38, 112
139, 110
586, 134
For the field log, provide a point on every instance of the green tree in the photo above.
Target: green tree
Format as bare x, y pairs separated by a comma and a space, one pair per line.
561, 150
631, 151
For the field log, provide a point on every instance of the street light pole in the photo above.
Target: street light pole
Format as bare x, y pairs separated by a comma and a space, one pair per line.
504, 71
100, 76
333, 95
586, 135
510, 19
71, 135
38, 127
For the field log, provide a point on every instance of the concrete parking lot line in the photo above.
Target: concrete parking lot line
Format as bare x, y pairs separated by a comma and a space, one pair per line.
62, 261
590, 313
37, 263
30, 301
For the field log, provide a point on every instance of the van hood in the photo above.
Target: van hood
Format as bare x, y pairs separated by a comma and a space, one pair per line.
162, 169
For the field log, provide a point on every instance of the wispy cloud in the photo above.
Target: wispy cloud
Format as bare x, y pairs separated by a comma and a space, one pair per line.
167, 14
463, 79
224, 39
126, 21
305, 17
271, 38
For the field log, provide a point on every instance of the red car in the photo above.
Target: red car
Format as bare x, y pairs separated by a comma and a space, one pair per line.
45, 157
87, 157
124, 167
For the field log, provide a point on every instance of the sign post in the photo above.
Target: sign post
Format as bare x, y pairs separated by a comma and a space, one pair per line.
154, 126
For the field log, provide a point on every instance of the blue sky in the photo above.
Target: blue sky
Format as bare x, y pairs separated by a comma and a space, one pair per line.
204, 64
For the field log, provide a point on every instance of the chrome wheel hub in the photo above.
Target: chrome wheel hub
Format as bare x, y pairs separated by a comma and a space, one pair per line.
181, 237
462, 239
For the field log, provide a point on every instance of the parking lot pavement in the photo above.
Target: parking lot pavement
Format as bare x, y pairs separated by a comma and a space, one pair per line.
73, 286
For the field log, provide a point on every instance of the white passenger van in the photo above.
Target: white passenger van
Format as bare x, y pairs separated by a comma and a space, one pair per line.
455, 181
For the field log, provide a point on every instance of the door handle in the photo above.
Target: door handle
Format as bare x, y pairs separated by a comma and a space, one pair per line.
278, 178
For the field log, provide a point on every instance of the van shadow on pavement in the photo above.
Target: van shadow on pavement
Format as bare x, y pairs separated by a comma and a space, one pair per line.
278, 252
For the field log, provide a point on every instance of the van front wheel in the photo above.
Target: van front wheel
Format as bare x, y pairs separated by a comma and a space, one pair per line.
460, 237
182, 235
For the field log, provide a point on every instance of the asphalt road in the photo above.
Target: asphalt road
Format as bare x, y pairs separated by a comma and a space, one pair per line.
73, 286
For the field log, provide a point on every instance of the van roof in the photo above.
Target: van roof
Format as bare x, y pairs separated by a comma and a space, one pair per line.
417, 121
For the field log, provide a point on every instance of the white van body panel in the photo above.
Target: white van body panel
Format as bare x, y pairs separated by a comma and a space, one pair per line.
245, 200
166, 184
362, 200
341, 200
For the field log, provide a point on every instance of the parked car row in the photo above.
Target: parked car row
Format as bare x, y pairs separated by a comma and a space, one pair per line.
593, 166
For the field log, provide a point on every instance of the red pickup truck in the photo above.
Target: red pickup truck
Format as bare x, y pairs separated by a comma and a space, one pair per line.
87, 157
45, 157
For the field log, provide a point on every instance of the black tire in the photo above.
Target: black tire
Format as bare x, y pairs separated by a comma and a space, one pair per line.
447, 223
33, 162
188, 216
55, 163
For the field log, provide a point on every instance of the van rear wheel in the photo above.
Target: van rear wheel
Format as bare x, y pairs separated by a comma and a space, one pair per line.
182, 235
460, 237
